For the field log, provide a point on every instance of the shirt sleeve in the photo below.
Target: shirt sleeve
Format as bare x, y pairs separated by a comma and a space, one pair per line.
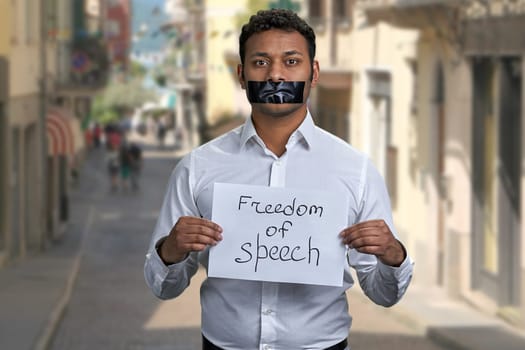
168, 282
383, 284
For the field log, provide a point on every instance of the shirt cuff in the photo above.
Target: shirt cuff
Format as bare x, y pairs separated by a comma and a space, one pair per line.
401, 273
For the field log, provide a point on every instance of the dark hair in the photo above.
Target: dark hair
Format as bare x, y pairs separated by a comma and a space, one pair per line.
276, 19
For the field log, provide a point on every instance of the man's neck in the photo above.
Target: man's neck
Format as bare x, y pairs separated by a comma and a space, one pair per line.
275, 131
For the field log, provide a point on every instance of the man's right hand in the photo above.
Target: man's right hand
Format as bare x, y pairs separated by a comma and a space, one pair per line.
190, 234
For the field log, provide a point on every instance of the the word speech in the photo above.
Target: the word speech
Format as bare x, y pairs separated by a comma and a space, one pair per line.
278, 234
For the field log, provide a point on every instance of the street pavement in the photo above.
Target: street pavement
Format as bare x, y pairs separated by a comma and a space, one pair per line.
87, 290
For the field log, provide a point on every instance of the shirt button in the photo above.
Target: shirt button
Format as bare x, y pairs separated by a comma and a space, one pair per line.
267, 312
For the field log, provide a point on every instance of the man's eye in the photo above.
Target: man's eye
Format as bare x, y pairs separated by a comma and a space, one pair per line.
292, 61
260, 63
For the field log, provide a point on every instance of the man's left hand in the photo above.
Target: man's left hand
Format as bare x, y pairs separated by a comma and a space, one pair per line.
374, 237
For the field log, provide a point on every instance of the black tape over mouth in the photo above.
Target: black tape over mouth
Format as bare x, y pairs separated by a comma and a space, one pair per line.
275, 92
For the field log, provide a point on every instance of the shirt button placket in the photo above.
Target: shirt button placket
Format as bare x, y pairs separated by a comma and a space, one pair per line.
278, 173
268, 321
269, 289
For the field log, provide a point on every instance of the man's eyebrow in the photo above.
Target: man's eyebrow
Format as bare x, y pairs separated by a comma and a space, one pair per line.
260, 54
286, 53
293, 52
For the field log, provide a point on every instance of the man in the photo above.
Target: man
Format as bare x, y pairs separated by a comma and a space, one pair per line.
279, 146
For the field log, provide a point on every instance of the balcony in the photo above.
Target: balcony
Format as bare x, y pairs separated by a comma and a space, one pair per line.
411, 14
89, 66
404, 3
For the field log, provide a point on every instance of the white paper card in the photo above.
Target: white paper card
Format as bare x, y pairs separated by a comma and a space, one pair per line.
278, 234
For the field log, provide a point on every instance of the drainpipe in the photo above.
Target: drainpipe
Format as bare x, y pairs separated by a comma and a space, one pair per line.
43, 115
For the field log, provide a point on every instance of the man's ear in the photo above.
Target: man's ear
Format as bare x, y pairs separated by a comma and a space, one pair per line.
240, 76
315, 73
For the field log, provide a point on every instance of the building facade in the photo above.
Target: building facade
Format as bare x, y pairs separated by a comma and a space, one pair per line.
5, 45
22, 164
117, 32
41, 139
469, 131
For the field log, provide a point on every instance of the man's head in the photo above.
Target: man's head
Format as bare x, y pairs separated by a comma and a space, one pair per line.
276, 19
278, 66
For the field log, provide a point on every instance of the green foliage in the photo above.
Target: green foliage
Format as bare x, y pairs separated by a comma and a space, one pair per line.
255, 5
118, 98
137, 70
251, 8
102, 113
125, 95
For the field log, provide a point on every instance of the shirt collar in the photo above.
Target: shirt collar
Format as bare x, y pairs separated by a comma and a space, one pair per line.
248, 131
305, 131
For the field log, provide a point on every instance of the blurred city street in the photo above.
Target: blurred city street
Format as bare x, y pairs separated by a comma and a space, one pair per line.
431, 91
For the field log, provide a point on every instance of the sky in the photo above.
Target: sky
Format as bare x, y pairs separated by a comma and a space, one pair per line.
145, 23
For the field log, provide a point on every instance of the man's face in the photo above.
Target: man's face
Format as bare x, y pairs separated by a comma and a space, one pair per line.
278, 56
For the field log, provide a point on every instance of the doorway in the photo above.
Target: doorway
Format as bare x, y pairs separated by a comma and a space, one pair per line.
496, 159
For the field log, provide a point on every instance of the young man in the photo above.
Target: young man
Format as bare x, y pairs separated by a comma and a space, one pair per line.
279, 146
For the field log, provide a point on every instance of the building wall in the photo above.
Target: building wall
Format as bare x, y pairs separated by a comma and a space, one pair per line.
25, 131
5, 27
522, 284
387, 49
118, 32
5, 39
454, 182
224, 95
458, 172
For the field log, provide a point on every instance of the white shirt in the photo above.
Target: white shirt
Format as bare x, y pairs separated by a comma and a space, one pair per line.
241, 314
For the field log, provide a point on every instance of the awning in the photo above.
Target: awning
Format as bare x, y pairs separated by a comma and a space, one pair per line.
64, 135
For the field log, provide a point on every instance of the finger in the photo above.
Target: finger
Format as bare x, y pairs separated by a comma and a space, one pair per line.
192, 220
200, 239
366, 224
193, 242
367, 241
348, 236
200, 226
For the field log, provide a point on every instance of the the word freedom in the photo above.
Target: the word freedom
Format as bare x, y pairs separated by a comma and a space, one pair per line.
278, 208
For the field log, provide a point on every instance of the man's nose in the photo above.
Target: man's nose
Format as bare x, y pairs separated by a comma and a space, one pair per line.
275, 73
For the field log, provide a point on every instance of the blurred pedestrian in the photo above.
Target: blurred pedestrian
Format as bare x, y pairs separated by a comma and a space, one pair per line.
125, 165
161, 132
113, 167
135, 156
113, 136
97, 135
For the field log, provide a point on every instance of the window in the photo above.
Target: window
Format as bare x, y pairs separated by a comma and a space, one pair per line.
316, 13
342, 13
30, 20
52, 19
315, 8
14, 21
